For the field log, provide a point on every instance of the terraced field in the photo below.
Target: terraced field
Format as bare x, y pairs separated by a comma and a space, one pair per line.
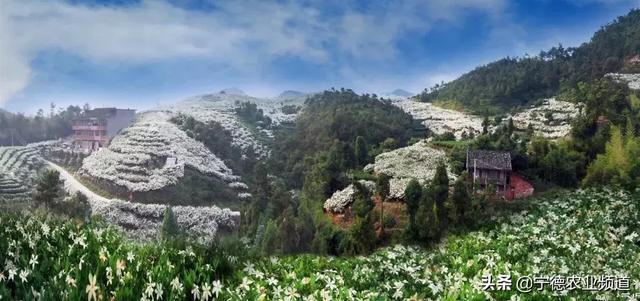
551, 119
220, 108
18, 170
152, 154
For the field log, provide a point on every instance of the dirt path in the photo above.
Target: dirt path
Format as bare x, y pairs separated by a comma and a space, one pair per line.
72, 186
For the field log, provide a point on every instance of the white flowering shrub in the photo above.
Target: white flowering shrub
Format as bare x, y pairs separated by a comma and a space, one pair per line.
561, 114
18, 170
439, 120
144, 221
632, 80
220, 108
135, 159
342, 199
418, 161
571, 234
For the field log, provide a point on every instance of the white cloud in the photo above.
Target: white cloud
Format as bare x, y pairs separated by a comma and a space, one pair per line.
242, 34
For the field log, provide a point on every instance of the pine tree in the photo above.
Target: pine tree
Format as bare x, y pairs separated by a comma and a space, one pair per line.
382, 190
364, 234
461, 199
510, 126
441, 194
426, 219
269, 243
48, 188
485, 126
287, 232
412, 197
170, 227
361, 151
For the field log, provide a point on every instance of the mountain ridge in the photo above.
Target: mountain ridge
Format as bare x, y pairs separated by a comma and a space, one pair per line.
512, 82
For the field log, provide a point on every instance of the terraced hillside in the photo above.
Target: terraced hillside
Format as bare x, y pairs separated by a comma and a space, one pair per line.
551, 118
155, 160
220, 108
632, 80
18, 170
439, 120
151, 155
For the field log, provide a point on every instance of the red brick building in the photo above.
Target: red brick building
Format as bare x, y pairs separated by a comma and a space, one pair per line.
96, 127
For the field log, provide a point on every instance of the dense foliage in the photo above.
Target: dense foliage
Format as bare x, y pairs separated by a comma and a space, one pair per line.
18, 129
327, 129
512, 82
619, 165
335, 135
249, 112
216, 138
551, 235
51, 259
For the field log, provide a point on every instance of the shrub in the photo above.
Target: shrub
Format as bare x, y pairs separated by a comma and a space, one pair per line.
48, 188
389, 221
76, 206
170, 227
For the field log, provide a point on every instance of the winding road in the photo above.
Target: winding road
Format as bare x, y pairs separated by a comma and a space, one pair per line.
72, 185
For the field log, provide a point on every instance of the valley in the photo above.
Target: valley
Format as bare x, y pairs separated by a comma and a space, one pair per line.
516, 180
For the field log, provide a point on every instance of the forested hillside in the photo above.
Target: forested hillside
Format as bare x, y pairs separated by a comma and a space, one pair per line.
331, 122
512, 82
18, 129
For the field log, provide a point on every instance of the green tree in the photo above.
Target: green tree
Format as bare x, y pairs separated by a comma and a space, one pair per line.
270, 239
364, 234
561, 164
441, 193
287, 232
48, 188
363, 203
361, 151
619, 164
485, 125
170, 227
426, 219
461, 199
510, 127
78, 206
389, 144
382, 186
382, 190
412, 197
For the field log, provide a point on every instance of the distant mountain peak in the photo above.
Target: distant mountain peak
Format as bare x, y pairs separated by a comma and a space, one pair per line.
401, 92
233, 91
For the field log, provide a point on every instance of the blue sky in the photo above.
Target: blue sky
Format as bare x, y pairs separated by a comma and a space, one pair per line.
139, 54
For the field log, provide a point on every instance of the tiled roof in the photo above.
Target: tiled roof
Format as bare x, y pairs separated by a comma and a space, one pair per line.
486, 159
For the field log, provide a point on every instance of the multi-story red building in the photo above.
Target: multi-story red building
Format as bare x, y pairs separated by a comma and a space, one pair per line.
96, 127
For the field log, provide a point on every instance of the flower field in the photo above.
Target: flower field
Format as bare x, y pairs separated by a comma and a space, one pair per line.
417, 161
18, 168
633, 80
557, 126
439, 120
136, 158
220, 108
582, 233
143, 222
